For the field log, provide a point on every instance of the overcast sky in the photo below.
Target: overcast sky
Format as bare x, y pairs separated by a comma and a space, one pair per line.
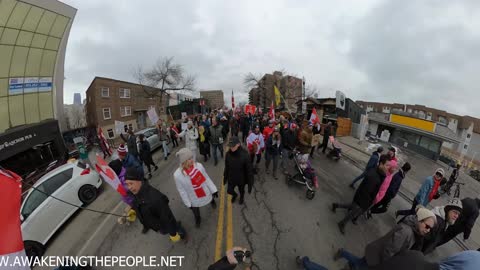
416, 52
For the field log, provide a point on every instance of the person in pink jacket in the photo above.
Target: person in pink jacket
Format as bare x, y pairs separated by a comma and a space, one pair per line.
392, 167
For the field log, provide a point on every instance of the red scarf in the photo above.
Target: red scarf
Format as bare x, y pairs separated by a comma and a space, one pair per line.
197, 179
436, 185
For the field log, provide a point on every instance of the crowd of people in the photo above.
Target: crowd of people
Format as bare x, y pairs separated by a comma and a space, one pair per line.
274, 139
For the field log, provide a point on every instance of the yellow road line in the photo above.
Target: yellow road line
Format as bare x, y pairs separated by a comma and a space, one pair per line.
221, 210
229, 223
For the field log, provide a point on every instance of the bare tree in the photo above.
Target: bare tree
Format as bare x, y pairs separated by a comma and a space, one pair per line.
75, 116
165, 75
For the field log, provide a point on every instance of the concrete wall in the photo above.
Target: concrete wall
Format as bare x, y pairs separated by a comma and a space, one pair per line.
373, 127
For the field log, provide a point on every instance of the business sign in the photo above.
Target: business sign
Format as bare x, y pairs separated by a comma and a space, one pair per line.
340, 100
413, 122
29, 85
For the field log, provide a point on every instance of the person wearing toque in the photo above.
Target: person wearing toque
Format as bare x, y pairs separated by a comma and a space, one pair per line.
238, 170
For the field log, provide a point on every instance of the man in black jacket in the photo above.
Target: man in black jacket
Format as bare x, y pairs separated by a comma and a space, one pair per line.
238, 170
152, 208
289, 141
465, 222
365, 194
146, 155
382, 206
216, 139
131, 141
327, 131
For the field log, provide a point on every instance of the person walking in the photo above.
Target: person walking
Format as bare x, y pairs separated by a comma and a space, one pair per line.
163, 137
130, 161
196, 188
174, 134
146, 155
191, 135
392, 167
382, 206
305, 140
452, 179
255, 145
274, 150
289, 141
327, 132
238, 170
131, 141
405, 236
372, 163
446, 216
216, 139
152, 208
365, 194
428, 191
465, 223
316, 132
392, 153
203, 142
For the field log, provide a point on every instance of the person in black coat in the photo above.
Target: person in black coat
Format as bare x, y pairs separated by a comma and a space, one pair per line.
289, 141
465, 222
316, 130
274, 148
365, 194
382, 206
327, 131
152, 208
131, 141
146, 155
238, 170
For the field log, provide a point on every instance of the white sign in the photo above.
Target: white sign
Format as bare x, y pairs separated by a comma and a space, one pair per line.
184, 115
152, 115
304, 107
184, 126
340, 100
119, 127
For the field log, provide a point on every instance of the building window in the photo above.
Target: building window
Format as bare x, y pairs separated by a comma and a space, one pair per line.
110, 134
105, 92
468, 136
125, 111
106, 114
429, 116
465, 146
442, 120
124, 93
125, 127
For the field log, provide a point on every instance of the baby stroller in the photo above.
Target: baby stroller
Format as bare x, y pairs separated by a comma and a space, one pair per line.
336, 151
305, 175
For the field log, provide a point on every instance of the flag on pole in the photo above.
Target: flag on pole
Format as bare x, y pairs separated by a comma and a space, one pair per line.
233, 101
277, 95
314, 117
104, 140
271, 112
11, 246
109, 176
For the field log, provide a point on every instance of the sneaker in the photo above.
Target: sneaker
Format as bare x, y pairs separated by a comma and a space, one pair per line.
334, 207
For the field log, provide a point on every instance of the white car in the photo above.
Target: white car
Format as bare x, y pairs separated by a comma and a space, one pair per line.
43, 215
151, 134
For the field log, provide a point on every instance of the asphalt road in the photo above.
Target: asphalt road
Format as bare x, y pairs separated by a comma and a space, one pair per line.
276, 222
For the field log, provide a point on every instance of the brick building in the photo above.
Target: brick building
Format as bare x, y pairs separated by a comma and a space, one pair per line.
289, 86
109, 100
214, 98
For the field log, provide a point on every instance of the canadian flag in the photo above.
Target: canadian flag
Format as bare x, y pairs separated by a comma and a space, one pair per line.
233, 101
109, 176
104, 140
11, 246
271, 112
314, 117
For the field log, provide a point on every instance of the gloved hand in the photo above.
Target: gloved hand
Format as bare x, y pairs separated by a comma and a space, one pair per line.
215, 195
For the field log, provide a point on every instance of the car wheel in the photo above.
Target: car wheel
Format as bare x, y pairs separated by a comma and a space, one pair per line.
34, 249
87, 194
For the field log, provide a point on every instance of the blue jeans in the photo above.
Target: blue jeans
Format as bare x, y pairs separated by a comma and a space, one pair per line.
354, 261
309, 265
165, 148
360, 177
214, 150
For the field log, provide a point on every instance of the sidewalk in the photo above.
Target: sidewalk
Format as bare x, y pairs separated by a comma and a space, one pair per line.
359, 153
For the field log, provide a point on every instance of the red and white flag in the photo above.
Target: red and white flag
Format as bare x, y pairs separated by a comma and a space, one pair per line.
109, 176
233, 101
104, 140
271, 112
314, 117
11, 245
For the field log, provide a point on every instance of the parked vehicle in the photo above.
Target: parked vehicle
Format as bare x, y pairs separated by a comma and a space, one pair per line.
42, 213
151, 134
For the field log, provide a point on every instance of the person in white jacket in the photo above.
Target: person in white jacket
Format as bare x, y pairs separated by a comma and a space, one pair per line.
191, 135
196, 188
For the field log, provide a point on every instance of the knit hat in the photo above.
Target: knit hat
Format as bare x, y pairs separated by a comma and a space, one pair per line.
423, 213
116, 166
440, 170
453, 204
184, 154
190, 123
122, 150
133, 174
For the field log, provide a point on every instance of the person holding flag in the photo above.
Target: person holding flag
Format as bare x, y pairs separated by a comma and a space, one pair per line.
255, 145
107, 151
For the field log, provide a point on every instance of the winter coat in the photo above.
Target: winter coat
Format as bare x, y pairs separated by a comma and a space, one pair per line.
274, 149
132, 161
368, 189
289, 139
216, 134
131, 144
145, 150
327, 132
410, 260
395, 184
468, 217
465, 260
436, 234
305, 141
162, 134
267, 131
186, 189
401, 238
425, 189
385, 184
238, 169
255, 141
225, 128
373, 161
191, 136
153, 211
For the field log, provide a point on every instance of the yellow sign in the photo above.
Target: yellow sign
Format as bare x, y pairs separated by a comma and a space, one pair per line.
413, 122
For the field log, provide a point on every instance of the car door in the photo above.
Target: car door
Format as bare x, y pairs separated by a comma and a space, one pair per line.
154, 139
36, 223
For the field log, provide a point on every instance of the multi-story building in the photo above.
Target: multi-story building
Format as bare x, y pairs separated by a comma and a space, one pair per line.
109, 100
77, 98
214, 98
466, 129
290, 88
177, 98
33, 40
